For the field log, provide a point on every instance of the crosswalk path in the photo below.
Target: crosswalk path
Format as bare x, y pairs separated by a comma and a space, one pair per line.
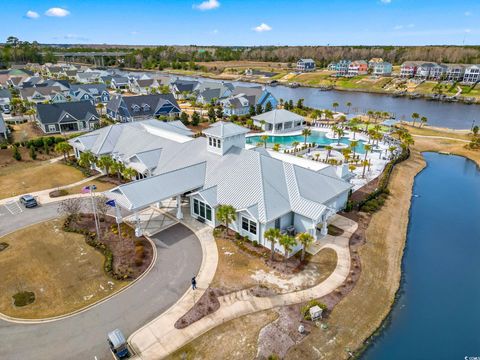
13, 207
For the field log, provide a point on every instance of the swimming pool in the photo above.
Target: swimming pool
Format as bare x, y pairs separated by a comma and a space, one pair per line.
317, 137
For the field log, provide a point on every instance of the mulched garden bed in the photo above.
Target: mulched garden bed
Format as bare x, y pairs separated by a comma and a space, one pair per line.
126, 257
206, 305
3, 246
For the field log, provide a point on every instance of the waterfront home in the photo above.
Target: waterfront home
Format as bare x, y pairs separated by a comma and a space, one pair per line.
430, 70
207, 172
95, 93
42, 94
455, 72
181, 89
437, 71
67, 116
382, 68
357, 67
262, 73
340, 67
212, 91
5, 96
409, 68
472, 74
133, 108
279, 121
143, 86
373, 61
87, 77
243, 97
305, 65
119, 83
3, 129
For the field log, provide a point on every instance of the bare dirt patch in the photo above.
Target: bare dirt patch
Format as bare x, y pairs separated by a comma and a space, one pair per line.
207, 304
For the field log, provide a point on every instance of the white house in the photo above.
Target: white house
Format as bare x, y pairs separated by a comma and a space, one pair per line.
306, 65
472, 74
207, 172
278, 121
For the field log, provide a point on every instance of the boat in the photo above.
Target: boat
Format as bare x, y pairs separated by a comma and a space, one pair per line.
294, 85
272, 83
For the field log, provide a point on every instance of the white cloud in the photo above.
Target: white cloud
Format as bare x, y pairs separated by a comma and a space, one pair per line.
215, 31
207, 5
262, 27
32, 14
385, 1
398, 27
134, 33
57, 12
468, 13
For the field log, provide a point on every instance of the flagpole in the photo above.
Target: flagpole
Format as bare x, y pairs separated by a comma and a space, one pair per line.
117, 212
94, 211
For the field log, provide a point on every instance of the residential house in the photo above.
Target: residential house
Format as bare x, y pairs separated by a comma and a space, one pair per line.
207, 172
134, 108
71, 74
243, 97
43, 94
382, 69
181, 89
357, 67
279, 121
373, 61
340, 68
95, 93
54, 71
409, 68
256, 72
5, 97
143, 86
67, 116
424, 70
472, 74
213, 91
31, 81
119, 83
3, 129
455, 72
438, 72
305, 65
15, 82
87, 77
64, 85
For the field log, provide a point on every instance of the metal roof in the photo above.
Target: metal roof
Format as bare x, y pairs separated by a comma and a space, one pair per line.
224, 129
278, 116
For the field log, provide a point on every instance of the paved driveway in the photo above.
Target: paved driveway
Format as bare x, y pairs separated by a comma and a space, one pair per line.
83, 336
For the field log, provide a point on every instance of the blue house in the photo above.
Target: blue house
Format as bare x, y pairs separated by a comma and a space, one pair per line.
243, 97
132, 108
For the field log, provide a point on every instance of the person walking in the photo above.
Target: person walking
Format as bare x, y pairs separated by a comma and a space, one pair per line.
194, 283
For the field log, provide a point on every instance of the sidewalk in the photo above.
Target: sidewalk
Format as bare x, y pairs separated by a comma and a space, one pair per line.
159, 338
43, 197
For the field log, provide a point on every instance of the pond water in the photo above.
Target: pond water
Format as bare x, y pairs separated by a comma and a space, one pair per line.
437, 314
317, 137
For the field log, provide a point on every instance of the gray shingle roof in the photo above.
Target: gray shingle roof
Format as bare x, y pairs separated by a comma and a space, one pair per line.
51, 113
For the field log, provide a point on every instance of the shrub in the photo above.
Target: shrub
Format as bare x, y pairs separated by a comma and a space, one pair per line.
305, 310
16, 154
23, 298
58, 193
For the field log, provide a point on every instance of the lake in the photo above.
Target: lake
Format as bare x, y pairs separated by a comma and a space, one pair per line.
437, 314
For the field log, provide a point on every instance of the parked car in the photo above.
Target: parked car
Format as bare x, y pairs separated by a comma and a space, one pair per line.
28, 201
118, 344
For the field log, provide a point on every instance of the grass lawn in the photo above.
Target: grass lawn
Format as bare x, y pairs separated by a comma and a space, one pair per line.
28, 176
101, 186
236, 339
64, 273
239, 270
427, 131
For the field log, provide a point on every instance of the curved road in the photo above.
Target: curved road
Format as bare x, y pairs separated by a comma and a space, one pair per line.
83, 336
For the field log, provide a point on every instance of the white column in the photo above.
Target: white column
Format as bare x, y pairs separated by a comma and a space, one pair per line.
179, 208
324, 230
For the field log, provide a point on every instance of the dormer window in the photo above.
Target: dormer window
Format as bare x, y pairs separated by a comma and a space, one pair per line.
145, 107
136, 108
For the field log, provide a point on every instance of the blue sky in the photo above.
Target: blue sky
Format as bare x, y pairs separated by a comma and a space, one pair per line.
247, 22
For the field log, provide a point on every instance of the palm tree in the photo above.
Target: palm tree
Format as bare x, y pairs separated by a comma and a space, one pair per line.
226, 214
348, 106
288, 242
415, 116
408, 140
353, 146
317, 155
100, 106
423, 121
335, 105
329, 149
367, 148
354, 129
64, 148
346, 154
129, 173
276, 147
367, 123
117, 167
105, 162
306, 133
351, 167
305, 239
365, 163
264, 139
392, 150
295, 144
86, 159
272, 235
370, 114
31, 113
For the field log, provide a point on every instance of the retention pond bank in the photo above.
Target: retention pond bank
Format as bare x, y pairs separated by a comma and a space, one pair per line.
437, 314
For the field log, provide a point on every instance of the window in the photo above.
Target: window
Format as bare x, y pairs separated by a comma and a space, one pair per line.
249, 225
218, 143
202, 210
52, 128
210, 141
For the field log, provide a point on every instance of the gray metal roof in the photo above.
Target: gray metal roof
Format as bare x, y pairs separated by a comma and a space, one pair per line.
224, 129
278, 116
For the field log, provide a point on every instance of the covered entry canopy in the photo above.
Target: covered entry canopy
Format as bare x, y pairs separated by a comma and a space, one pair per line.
142, 193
